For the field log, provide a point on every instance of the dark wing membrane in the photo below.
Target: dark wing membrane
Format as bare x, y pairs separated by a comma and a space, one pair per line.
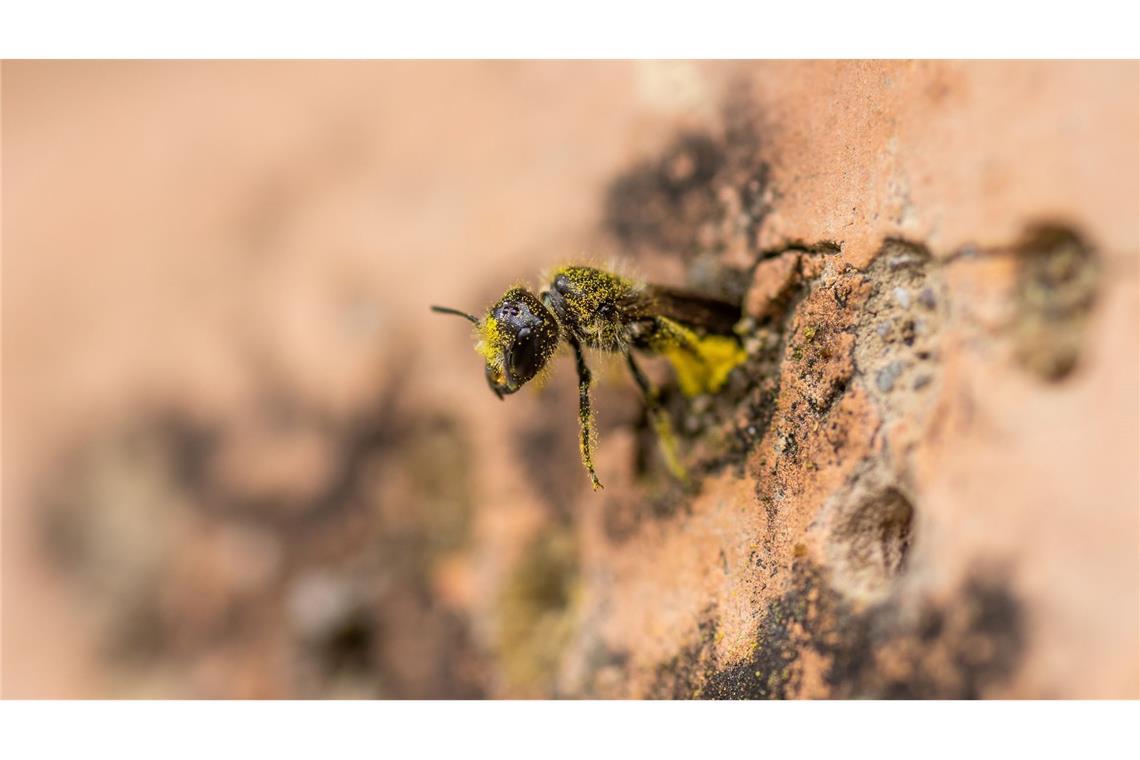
693, 310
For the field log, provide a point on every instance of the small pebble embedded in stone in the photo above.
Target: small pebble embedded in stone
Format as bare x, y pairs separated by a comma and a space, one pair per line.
885, 380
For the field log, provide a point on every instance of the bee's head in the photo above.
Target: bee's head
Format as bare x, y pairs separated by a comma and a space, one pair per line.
517, 338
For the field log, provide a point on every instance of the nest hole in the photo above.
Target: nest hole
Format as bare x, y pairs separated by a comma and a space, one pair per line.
870, 542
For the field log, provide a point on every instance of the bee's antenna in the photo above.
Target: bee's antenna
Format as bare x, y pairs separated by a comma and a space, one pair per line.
445, 310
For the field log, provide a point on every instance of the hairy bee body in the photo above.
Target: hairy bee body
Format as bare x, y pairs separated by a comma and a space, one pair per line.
606, 311
599, 308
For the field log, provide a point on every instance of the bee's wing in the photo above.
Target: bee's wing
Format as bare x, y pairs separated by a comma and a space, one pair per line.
694, 310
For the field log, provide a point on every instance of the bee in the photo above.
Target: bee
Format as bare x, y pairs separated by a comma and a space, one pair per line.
589, 307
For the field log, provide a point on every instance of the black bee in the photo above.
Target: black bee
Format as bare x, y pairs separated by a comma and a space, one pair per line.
585, 306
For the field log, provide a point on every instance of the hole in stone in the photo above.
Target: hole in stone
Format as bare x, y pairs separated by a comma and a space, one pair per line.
870, 541
1058, 281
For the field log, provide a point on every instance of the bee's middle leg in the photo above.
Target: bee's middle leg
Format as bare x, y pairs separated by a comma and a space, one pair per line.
660, 419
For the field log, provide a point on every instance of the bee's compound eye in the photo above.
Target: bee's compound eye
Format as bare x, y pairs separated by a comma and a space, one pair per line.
524, 360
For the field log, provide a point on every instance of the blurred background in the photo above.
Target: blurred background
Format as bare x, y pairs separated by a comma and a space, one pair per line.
237, 461
242, 459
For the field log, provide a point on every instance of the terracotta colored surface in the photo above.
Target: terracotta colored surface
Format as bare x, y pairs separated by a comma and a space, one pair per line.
242, 459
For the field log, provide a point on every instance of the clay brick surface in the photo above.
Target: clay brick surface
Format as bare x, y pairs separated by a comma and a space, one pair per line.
243, 459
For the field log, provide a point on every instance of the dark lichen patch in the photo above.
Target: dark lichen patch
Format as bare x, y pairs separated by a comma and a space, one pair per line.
807, 617
960, 647
704, 199
665, 201
183, 561
954, 651
771, 673
1058, 278
536, 613
213, 455
683, 676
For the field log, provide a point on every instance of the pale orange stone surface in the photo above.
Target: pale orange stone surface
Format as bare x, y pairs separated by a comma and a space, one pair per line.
243, 459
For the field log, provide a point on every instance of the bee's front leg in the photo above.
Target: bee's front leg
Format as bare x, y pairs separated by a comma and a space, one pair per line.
585, 415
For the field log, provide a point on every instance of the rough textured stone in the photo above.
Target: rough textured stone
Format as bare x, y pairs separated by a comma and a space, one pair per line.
242, 458
772, 282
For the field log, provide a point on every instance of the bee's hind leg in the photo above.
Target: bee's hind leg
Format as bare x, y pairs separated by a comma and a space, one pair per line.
585, 415
660, 419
